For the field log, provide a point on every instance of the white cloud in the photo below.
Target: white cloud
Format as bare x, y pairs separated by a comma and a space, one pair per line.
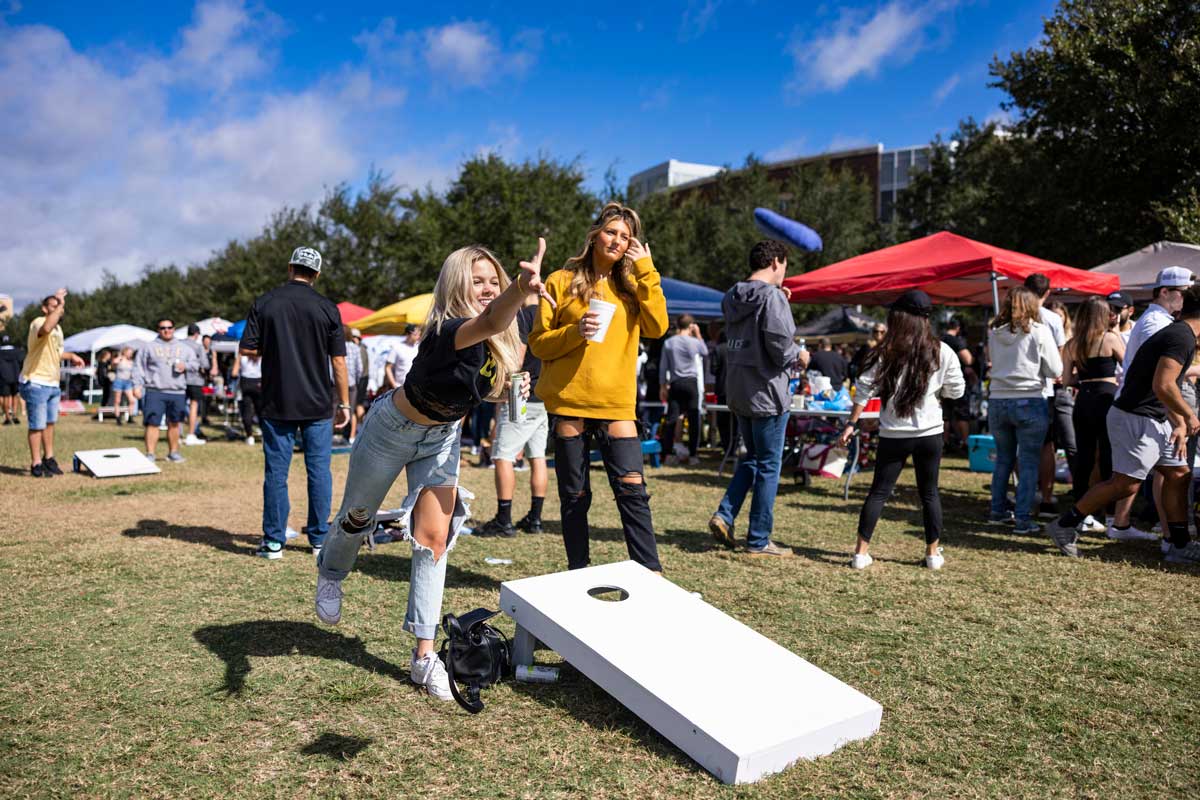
459, 55
844, 141
860, 44
505, 140
793, 148
942, 92
696, 18
103, 171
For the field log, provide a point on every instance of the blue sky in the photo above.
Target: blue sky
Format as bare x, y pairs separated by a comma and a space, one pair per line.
147, 133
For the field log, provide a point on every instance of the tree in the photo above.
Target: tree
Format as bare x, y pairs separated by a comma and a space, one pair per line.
706, 237
1102, 152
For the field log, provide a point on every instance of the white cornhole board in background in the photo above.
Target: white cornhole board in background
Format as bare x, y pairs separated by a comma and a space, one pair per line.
732, 699
114, 463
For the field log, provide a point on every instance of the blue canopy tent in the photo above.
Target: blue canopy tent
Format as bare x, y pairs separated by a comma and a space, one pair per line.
688, 298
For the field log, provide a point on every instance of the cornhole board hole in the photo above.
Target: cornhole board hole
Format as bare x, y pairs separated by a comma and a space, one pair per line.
665, 654
113, 463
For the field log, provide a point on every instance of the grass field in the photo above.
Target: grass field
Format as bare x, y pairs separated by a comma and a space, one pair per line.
147, 654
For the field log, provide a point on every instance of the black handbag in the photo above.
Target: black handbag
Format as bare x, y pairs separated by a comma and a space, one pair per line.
474, 653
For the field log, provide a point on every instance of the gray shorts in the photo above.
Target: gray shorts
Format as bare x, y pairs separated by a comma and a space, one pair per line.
530, 433
1139, 444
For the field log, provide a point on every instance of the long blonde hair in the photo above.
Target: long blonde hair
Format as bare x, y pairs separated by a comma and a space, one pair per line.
452, 300
584, 280
1020, 310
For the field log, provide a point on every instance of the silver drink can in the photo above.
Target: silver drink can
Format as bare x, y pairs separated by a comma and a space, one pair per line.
516, 403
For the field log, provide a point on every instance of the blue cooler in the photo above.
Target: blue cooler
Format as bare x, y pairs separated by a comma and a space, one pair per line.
981, 452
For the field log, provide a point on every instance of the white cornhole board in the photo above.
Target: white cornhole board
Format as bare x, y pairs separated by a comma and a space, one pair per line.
732, 699
114, 463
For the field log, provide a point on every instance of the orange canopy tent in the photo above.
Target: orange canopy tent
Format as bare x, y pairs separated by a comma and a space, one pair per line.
953, 270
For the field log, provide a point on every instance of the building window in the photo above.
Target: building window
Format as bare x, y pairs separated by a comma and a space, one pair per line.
887, 173
887, 205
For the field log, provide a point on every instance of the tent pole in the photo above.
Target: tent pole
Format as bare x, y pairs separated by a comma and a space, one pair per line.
995, 295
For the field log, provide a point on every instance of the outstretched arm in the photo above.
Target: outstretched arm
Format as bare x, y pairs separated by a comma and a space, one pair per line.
503, 310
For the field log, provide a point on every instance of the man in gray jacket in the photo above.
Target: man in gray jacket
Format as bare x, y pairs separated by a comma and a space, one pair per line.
759, 331
160, 375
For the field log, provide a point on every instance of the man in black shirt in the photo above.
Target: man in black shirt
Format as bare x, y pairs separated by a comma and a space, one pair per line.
298, 334
12, 356
958, 424
1148, 426
830, 364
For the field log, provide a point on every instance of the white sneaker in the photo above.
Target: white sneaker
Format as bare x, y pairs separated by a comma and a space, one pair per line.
431, 673
861, 561
1164, 545
1157, 528
935, 561
250, 441
1092, 525
1130, 534
290, 533
329, 600
317, 554
1189, 554
193, 440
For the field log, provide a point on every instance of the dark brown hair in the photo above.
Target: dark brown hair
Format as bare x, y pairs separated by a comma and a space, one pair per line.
904, 360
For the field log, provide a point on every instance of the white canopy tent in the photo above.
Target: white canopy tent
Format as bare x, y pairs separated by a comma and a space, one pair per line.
213, 325
109, 336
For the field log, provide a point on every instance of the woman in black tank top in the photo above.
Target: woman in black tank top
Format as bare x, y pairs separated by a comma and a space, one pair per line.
1091, 361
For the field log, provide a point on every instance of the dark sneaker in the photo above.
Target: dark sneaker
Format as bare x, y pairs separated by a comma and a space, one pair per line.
1005, 518
529, 524
493, 527
722, 531
269, 550
772, 549
1028, 527
1064, 539
1047, 510
38, 471
52, 465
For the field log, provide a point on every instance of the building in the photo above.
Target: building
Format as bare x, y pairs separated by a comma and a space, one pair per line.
668, 175
886, 171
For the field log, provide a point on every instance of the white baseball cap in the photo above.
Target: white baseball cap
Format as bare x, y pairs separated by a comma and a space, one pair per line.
306, 257
1174, 276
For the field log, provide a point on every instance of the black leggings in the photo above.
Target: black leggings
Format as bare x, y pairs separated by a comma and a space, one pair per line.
622, 457
682, 397
251, 403
1091, 433
926, 453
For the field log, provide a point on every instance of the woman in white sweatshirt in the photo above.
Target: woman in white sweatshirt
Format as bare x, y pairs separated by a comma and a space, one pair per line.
1023, 355
908, 371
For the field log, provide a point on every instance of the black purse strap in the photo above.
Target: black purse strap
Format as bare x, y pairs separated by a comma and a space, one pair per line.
471, 702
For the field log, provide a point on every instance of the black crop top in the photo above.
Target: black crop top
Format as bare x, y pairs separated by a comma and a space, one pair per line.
444, 383
1099, 367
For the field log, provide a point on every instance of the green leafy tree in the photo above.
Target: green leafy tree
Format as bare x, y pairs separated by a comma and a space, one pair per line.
1102, 153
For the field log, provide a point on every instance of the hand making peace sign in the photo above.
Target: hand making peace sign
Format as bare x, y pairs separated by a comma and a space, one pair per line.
531, 271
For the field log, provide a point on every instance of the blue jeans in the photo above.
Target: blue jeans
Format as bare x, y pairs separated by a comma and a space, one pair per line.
279, 438
387, 443
1019, 427
758, 470
41, 404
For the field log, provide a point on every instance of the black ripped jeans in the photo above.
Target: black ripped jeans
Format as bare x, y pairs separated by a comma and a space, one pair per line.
622, 457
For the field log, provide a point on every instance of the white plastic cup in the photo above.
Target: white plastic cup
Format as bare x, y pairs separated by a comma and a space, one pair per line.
605, 310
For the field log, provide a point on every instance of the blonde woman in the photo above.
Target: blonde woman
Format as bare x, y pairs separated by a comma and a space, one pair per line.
469, 346
122, 385
1023, 355
589, 386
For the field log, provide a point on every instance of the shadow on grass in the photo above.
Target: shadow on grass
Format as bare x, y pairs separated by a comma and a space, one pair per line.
335, 746
591, 705
235, 644
241, 543
395, 567
7, 470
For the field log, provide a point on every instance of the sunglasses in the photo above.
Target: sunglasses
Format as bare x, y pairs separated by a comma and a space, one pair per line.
166, 327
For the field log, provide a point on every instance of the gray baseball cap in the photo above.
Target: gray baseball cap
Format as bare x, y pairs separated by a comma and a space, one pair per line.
306, 257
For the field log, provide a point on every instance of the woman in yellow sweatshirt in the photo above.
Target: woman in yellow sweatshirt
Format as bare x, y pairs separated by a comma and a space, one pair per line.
590, 386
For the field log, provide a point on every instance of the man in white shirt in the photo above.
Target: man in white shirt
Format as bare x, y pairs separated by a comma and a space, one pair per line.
401, 358
1039, 284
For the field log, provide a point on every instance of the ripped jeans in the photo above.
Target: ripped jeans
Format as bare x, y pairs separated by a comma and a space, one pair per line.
387, 443
622, 457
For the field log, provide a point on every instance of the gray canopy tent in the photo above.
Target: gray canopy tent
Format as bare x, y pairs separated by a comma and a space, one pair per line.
1138, 269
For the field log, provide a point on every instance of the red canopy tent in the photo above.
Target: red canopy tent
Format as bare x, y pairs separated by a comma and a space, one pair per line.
952, 269
351, 312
